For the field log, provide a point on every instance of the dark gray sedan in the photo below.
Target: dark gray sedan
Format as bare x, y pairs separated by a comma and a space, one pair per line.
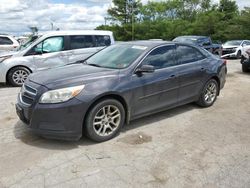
121, 83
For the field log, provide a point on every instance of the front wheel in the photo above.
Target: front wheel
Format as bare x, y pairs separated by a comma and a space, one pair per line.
104, 120
238, 56
17, 76
244, 68
209, 94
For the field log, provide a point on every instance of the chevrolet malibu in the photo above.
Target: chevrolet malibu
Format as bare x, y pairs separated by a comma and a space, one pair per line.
118, 84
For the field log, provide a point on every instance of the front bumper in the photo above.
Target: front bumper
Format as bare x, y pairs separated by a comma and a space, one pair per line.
229, 53
62, 121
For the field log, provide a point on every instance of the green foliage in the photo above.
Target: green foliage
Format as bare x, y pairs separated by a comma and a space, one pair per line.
171, 18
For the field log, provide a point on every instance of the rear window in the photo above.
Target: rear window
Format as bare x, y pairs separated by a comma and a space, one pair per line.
187, 54
81, 41
5, 41
102, 40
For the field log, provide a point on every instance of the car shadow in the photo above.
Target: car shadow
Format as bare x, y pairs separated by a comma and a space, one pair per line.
4, 85
159, 116
22, 132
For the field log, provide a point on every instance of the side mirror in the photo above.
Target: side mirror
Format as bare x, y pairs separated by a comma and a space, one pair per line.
206, 44
145, 69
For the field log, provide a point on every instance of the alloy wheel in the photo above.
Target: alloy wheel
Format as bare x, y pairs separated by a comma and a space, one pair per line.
19, 76
107, 120
210, 93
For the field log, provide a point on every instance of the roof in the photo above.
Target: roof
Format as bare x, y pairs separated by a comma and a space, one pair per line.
192, 36
148, 43
79, 32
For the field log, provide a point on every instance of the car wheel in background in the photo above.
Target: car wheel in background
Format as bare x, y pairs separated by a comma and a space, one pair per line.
17, 76
245, 68
238, 56
104, 120
209, 94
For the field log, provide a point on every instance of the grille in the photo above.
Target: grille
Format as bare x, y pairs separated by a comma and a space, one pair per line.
27, 95
228, 51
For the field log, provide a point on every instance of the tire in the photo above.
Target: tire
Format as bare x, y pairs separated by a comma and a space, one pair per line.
17, 76
245, 68
208, 95
238, 56
99, 124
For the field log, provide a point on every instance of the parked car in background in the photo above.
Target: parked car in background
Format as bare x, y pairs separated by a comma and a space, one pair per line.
53, 49
122, 82
8, 42
202, 41
245, 59
234, 48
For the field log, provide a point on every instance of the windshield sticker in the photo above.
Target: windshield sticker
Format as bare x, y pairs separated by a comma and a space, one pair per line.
140, 47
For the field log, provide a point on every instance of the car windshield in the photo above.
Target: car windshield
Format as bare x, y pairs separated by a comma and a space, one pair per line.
117, 56
28, 43
233, 43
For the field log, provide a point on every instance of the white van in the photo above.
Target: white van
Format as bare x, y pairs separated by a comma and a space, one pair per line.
53, 49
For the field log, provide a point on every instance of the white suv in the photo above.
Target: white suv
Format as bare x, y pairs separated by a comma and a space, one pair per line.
50, 50
234, 48
8, 43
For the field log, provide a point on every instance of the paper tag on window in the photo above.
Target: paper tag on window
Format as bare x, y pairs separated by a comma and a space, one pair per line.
140, 47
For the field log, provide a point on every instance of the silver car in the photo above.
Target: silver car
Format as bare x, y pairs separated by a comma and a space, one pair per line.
53, 49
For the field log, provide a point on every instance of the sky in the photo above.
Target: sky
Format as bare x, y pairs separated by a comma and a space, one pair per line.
16, 16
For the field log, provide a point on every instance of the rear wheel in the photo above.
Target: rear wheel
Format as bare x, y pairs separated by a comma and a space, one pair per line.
105, 120
18, 75
245, 68
209, 94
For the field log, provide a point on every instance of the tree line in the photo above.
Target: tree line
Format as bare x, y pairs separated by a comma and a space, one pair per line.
130, 19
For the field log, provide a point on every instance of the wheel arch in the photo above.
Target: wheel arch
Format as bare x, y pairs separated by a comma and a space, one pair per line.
110, 96
217, 79
6, 76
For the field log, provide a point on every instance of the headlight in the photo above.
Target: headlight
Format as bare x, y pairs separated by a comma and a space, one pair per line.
4, 58
61, 95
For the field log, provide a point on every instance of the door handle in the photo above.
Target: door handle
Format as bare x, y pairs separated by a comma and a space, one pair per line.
203, 69
172, 76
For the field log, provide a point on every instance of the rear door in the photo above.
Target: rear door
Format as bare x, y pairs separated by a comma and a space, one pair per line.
191, 72
159, 89
81, 47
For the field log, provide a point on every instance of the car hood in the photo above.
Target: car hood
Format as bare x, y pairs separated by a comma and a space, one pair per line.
70, 75
230, 47
7, 53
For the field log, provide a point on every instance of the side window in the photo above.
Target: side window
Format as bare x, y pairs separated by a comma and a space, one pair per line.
161, 57
102, 40
5, 41
53, 44
81, 41
188, 54
246, 43
206, 42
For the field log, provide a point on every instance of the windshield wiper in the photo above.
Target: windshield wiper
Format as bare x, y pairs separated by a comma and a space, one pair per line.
95, 65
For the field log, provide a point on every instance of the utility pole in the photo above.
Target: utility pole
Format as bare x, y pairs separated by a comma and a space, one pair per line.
131, 2
52, 26
133, 25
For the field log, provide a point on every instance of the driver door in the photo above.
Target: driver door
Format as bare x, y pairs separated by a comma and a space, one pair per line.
50, 53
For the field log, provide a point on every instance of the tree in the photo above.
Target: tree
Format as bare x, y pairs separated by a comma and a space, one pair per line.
33, 29
123, 10
229, 8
